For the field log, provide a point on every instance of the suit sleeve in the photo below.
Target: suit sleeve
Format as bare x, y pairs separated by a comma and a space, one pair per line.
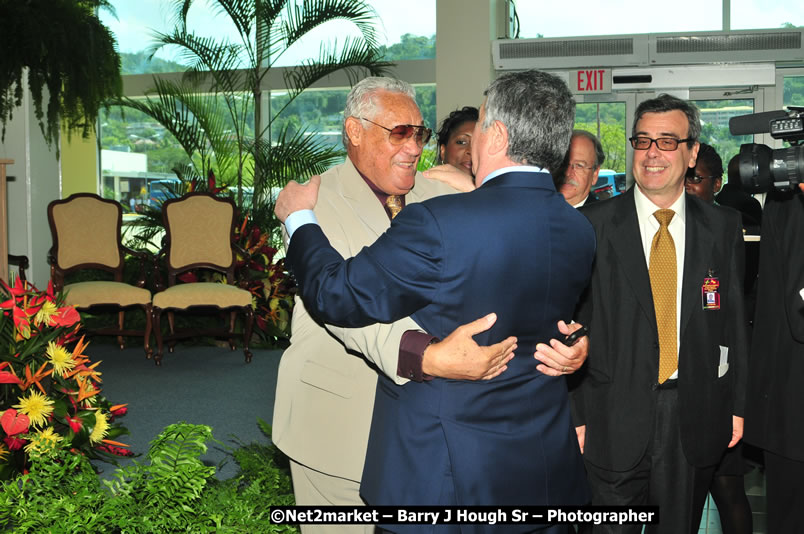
379, 343
391, 279
737, 335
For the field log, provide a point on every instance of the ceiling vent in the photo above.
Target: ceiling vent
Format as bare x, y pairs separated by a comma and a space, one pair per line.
783, 45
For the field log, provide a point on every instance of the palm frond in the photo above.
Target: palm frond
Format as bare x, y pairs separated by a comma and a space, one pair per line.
300, 19
355, 59
294, 156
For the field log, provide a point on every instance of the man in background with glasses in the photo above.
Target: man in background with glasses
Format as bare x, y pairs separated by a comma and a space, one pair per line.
328, 375
663, 392
585, 157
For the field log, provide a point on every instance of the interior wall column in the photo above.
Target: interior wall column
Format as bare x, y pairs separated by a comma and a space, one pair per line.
34, 180
464, 68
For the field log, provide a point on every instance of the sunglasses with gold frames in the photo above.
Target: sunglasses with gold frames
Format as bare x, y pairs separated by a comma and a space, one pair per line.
402, 132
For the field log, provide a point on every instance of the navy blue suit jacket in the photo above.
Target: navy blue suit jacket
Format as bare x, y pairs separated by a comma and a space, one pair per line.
514, 247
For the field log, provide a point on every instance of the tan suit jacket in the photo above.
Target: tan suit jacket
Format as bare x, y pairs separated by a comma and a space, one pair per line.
327, 378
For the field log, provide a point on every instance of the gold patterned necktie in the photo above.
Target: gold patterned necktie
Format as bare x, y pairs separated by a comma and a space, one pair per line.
394, 203
663, 283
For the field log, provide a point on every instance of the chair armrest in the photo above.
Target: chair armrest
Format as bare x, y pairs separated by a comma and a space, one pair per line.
21, 262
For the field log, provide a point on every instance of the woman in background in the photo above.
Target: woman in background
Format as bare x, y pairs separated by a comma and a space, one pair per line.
455, 149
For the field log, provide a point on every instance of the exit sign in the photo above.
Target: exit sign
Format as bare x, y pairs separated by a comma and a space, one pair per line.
586, 81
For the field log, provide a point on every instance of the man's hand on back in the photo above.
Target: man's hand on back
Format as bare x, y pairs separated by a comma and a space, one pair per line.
459, 357
297, 197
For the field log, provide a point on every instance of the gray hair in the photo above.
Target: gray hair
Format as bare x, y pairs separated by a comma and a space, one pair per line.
538, 111
664, 103
600, 156
360, 101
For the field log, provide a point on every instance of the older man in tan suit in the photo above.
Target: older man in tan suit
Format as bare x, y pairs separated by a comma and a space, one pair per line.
327, 377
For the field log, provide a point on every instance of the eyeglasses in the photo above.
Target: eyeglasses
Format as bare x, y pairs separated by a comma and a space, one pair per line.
665, 144
402, 132
581, 167
696, 178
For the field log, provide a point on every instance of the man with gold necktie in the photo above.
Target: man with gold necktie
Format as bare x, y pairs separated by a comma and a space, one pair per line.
328, 376
663, 391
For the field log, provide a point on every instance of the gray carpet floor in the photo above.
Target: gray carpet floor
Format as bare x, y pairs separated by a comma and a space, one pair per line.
201, 385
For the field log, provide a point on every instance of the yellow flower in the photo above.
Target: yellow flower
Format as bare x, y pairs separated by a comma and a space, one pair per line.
60, 358
100, 429
37, 407
43, 441
48, 310
3, 452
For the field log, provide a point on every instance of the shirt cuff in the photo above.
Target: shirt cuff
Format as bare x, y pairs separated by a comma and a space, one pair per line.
411, 352
298, 219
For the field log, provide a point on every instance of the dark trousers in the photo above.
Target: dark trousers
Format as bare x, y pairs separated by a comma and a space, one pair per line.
662, 477
784, 491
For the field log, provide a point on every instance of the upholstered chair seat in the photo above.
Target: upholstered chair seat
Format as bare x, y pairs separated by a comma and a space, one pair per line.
98, 293
202, 294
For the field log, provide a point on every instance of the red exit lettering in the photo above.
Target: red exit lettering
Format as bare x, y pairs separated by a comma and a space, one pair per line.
590, 80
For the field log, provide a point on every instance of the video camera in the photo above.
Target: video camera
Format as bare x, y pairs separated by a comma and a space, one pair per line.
762, 168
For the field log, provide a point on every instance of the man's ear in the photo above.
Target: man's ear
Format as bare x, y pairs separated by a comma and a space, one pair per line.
499, 138
354, 130
693, 155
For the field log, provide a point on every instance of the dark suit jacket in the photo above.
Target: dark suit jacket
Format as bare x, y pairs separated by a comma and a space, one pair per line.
616, 397
731, 195
773, 419
514, 247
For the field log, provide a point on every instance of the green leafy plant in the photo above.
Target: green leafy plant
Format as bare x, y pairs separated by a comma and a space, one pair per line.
172, 492
70, 57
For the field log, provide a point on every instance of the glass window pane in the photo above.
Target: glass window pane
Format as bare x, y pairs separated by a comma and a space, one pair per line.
137, 153
715, 115
320, 113
793, 91
751, 14
406, 31
591, 17
607, 121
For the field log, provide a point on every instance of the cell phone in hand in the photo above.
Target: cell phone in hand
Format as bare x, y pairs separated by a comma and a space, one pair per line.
573, 338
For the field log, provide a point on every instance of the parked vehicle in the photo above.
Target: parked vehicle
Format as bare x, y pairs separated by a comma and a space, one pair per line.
609, 184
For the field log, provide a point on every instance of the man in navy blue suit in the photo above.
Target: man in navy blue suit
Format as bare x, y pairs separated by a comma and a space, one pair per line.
513, 246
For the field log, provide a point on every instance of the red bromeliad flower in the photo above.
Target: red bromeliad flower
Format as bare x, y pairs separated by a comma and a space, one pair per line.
14, 444
117, 451
75, 423
119, 410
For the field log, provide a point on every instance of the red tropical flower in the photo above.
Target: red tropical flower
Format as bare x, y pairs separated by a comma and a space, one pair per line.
14, 423
75, 423
66, 317
14, 444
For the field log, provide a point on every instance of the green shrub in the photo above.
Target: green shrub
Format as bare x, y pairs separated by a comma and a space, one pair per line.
172, 492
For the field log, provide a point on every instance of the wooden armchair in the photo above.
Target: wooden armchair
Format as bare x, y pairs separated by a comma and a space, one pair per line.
200, 235
86, 235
